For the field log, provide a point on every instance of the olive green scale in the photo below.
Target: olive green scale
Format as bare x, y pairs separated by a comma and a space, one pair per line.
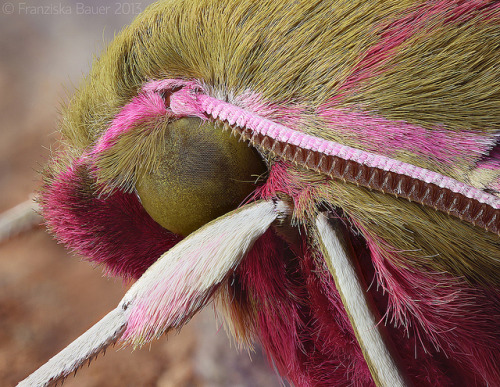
202, 173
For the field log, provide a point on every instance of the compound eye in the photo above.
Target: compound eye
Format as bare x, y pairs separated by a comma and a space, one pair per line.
203, 172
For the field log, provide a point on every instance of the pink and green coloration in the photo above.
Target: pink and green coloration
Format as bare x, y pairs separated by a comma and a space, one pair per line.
431, 323
418, 198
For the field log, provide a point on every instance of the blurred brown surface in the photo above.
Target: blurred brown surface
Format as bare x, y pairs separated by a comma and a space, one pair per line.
47, 296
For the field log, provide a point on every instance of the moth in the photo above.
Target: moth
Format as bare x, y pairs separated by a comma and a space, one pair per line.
326, 172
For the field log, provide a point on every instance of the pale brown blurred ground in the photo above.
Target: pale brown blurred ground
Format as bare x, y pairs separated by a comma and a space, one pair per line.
48, 297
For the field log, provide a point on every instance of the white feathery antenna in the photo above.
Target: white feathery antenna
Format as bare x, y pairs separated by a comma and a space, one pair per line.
376, 348
18, 219
107, 331
175, 287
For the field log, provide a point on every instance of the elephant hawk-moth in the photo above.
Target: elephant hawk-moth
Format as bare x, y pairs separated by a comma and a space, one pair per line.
327, 172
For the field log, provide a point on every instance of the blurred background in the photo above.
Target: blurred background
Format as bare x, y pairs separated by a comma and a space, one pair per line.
47, 296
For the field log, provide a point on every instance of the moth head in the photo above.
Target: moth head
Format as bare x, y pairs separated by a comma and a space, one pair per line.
149, 178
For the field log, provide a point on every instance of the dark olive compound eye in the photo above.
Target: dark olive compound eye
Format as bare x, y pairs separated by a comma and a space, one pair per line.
203, 172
